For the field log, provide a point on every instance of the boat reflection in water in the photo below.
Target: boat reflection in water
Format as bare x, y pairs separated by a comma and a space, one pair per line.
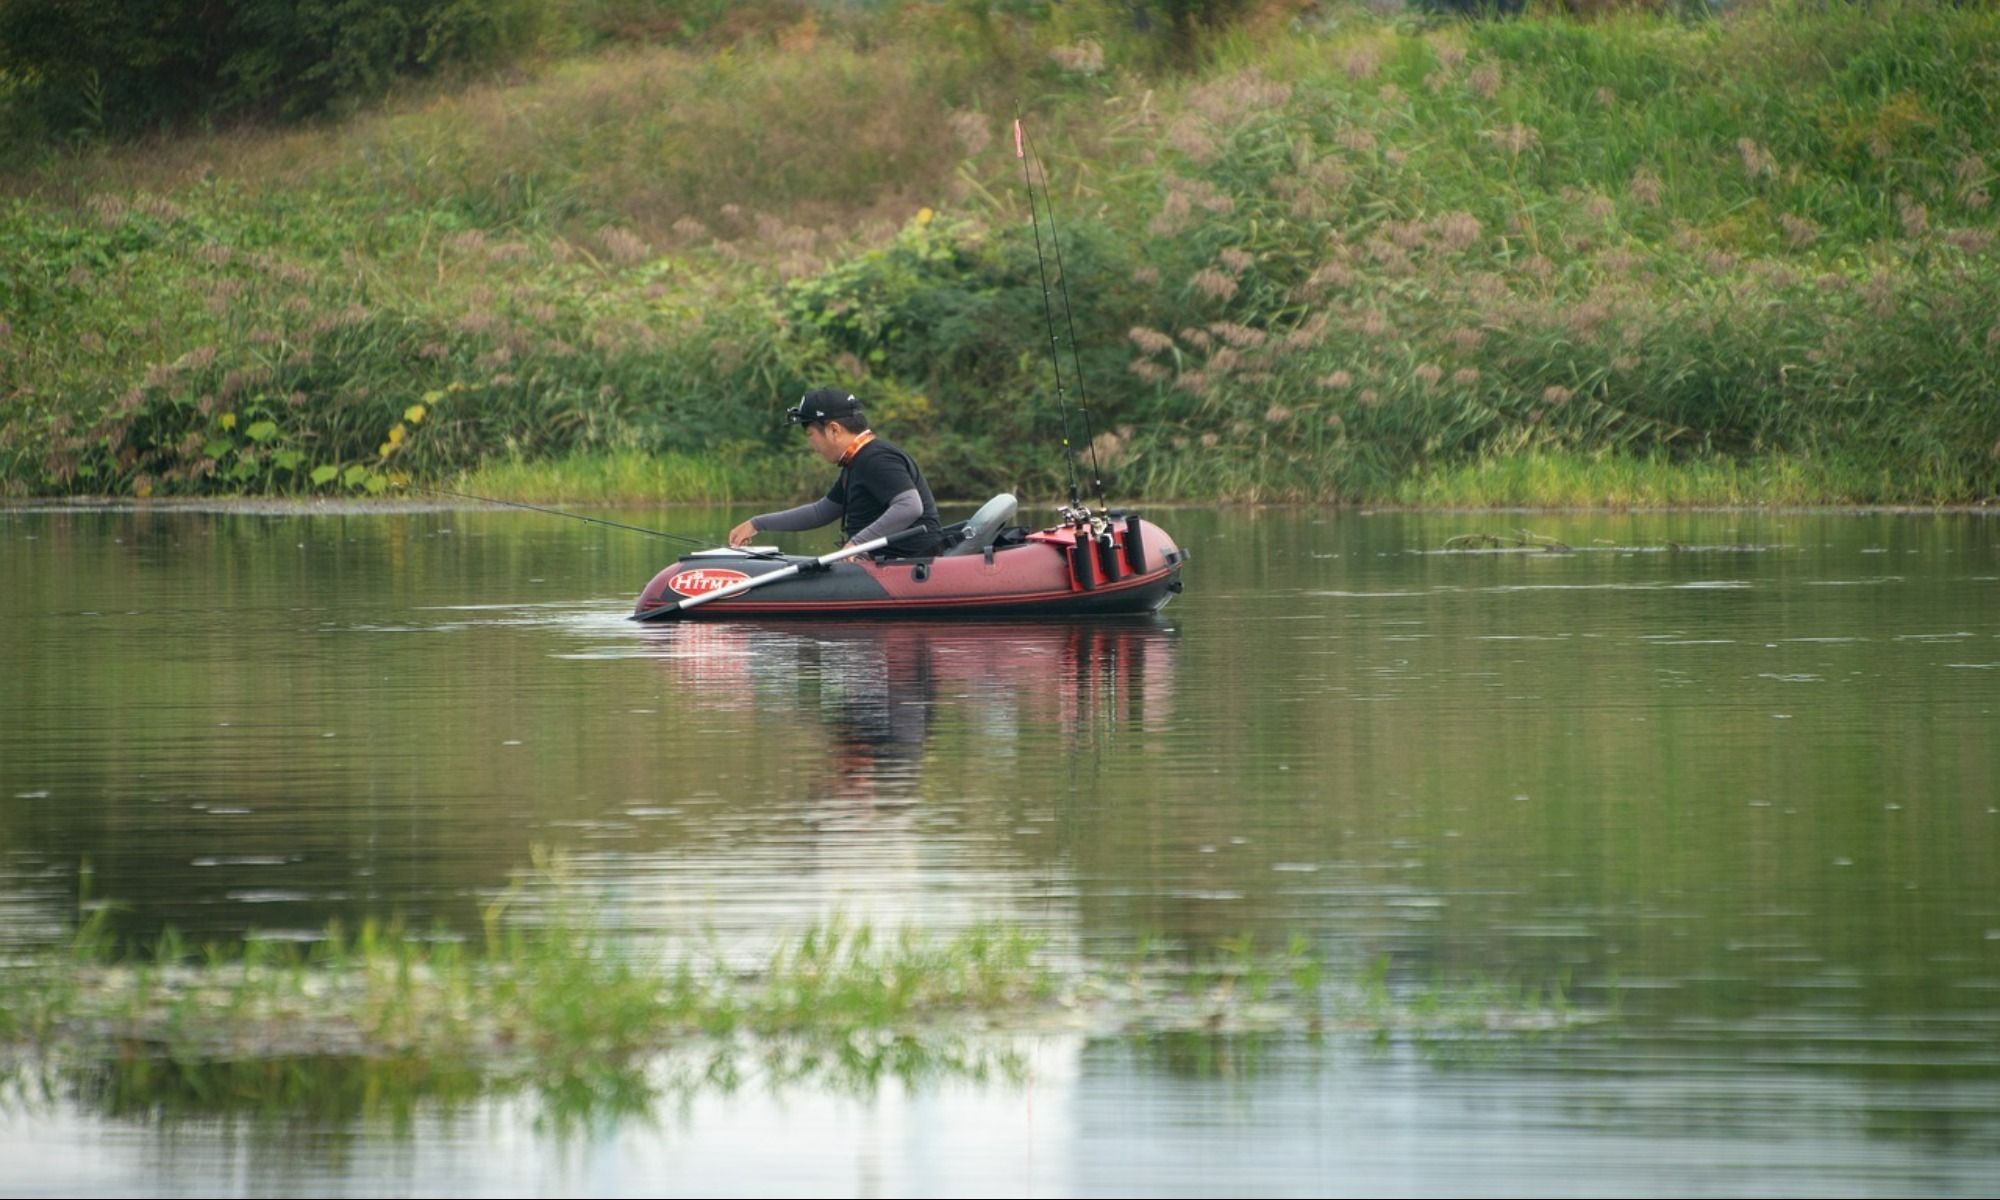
884, 692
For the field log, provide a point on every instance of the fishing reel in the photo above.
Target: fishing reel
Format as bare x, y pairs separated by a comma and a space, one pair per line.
1079, 516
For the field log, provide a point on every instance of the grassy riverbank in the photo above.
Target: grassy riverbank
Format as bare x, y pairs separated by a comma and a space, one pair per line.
1537, 479
1347, 257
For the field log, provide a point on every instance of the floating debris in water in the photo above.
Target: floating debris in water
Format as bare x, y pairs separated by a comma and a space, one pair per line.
1502, 543
1524, 542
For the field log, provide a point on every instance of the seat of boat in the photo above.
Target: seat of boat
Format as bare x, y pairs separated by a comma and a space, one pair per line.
978, 532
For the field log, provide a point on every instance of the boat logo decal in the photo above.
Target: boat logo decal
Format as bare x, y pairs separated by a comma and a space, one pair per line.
703, 580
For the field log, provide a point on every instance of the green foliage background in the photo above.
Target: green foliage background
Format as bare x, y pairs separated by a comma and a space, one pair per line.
1321, 254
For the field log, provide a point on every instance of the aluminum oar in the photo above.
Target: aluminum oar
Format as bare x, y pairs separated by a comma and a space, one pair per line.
736, 589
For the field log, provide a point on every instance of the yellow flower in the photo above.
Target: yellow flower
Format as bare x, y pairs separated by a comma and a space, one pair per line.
414, 414
924, 216
397, 433
228, 420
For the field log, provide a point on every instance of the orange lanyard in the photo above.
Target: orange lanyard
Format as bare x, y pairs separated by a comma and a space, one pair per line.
866, 437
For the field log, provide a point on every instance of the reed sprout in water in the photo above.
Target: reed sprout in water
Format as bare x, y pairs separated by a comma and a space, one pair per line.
384, 1014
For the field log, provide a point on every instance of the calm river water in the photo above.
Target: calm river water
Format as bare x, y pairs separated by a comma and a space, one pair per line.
1731, 779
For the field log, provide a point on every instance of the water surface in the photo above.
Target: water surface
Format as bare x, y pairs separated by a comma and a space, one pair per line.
1730, 779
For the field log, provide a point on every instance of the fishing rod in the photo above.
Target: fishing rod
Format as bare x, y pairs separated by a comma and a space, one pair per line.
1048, 312
557, 512
1025, 147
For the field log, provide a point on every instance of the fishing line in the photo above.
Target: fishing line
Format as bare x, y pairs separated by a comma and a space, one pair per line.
557, 512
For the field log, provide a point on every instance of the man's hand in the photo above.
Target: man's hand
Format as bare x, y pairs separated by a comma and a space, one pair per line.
741, 535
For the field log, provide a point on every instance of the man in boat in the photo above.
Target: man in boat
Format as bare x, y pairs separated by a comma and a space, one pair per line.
879, 491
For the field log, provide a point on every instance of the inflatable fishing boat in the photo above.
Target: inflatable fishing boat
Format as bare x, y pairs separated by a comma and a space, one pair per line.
1113, 562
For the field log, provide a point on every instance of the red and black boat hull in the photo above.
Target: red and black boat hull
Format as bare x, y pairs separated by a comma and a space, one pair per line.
1135, 568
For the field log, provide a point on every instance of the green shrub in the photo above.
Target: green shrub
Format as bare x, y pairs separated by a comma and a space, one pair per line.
91, 67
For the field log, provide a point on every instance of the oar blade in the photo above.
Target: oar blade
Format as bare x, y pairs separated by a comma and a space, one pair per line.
663, 612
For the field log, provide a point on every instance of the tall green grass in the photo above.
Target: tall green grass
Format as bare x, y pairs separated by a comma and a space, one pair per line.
1628, 237
1583, 481
631, 476
1346, 256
